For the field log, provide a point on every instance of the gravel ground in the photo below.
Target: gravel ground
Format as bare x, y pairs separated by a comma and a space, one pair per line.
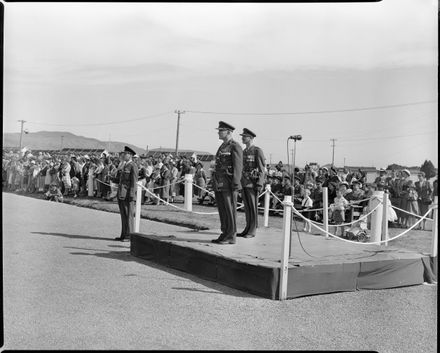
68, 285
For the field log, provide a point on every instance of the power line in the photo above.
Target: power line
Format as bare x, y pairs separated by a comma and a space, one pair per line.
319, 111
108, 123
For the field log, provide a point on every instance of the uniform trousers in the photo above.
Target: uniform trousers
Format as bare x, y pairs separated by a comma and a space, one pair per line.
249, 196
227, 208
127, 211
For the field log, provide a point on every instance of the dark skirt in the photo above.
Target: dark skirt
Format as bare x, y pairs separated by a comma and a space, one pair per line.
338, 216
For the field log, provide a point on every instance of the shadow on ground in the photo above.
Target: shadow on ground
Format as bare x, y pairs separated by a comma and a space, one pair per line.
73, 236
126, 256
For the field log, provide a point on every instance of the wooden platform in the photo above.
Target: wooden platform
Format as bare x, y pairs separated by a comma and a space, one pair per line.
252, 265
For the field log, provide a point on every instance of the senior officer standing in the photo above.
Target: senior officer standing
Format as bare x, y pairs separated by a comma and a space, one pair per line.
127, 193
226, 182
252, 181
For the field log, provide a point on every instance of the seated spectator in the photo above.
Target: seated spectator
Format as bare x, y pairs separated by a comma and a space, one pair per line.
54, 193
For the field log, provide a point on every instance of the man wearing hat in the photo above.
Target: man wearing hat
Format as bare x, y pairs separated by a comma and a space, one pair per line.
252, 181
127, 193
382, 178
226, 182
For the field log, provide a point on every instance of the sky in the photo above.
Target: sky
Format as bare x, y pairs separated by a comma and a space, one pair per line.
364, 74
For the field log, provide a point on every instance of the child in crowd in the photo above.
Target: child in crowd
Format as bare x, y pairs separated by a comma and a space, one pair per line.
54, 193
307, 203
340, 204
75, 186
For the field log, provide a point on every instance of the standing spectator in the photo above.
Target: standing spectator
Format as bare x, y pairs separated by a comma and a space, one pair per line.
165, 176
318, 201
156, 180
85, 174
65, 176
307, 203
340, 204
412, 205
403, 195
200, 179
174, 172
424, 191
75, 186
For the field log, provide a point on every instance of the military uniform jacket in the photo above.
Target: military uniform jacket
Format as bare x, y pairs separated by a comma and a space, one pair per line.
253, 167
127, 181
228, 166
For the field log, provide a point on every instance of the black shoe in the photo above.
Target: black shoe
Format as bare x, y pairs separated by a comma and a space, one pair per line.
220, 238
247, 236
226, 241
118, 238
242, 234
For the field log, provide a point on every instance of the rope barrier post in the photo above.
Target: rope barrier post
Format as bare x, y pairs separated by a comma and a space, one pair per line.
325, 210
266, 205
188, 191
137, 219
376, 216
434, 242
284, 266
385, 218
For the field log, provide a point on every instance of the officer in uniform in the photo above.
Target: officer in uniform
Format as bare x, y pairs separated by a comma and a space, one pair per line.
252, 181
127, 193
226, 182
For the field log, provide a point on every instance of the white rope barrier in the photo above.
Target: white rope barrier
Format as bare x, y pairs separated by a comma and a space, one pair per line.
102, 182
170, 184
354, 242
342, 224
203, 189
182, 209
176, 207
412, 214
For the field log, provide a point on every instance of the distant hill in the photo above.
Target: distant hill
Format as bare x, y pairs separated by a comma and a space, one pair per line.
51, 140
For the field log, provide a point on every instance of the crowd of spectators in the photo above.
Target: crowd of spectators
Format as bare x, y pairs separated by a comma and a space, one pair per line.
96, 175
346, 188
83, 175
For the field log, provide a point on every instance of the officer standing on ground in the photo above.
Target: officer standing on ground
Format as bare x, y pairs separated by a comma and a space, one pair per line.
252, 181
226, 182
127, 193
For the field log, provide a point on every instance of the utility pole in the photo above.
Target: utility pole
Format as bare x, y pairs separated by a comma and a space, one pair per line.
21, 133
333, 154
178, 112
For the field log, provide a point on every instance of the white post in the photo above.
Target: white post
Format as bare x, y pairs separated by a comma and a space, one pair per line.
188, 191
90, 185
376, 216
137, 219
266, 205
434, 242
385, 218
325, 210
284, 266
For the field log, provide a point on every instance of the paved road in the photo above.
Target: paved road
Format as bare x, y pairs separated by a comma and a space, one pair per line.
68, 285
